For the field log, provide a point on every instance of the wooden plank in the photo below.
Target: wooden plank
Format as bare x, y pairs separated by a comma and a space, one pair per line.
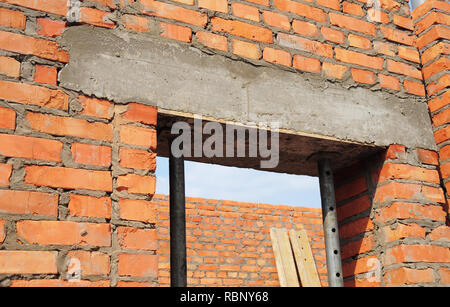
304, 258
284, 259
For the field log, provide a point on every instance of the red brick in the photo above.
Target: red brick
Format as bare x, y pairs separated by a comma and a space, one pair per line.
30, 147
12, 19
91, 263
33, 95
28, 262
444, 273
137, 239
402, 231
428, 6
350, 189
276, 20
363, 76
334, 70
430, 20
352, 8
306, 64
375, 15
108, 3
137, 184
5, 173
32, 46
427, 156
135, 284
444, 153
68, 126
176, 32
137, 210
245, 11
212, 40
397, 36
436, 33
27, 202
332, 4
399, 190
242, 29
49, 27
141, 113
403, 69
304, 28
436, 67
246, 49
440, 84
91, 154
403, 22
2, 231
440, 233
442, 135
405, 171
356, 227
359, 41
96, 17
439, 102
96, 107
352, 23
304, 44
138, 265
441, 48
52, 283
68, 178
400, 210
353, 207
136, 158
137, 23
410, 54
138, 136
441, 118
389, 82
7, 120
301, 10
45, 74
277, 56
358, 247
417, 253
385, 48
58, 7
361, 265
357, 58
214, 5
406, 276
9, 67
89, 206
169, 11
333, 35
64, 233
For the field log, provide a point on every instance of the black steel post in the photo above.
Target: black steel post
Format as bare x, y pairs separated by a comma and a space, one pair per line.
178, 269
330, 223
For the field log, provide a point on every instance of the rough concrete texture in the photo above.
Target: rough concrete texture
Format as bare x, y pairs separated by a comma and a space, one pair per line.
178, 78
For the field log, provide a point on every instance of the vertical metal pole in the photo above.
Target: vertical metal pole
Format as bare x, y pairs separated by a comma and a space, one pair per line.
330, 225
178, 269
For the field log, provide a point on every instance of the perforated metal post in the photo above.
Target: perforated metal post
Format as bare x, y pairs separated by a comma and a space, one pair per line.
330, 223
178, 269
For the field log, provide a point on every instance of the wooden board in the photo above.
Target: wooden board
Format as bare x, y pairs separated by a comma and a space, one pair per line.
284, 259
304, 258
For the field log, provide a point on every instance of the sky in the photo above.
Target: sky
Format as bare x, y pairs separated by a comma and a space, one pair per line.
241, 184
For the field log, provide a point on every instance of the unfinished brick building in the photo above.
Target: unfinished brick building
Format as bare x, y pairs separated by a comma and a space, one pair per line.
87, 89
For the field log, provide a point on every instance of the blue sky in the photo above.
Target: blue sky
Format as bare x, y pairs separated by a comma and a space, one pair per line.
241, 184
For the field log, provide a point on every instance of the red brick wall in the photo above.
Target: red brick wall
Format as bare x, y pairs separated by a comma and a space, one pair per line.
77, 172
391, 211
228, 242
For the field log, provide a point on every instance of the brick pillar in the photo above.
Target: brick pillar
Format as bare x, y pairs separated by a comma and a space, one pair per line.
134, 262
392, 220
431, 21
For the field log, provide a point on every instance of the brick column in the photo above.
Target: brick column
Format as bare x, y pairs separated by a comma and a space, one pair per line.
392, 220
